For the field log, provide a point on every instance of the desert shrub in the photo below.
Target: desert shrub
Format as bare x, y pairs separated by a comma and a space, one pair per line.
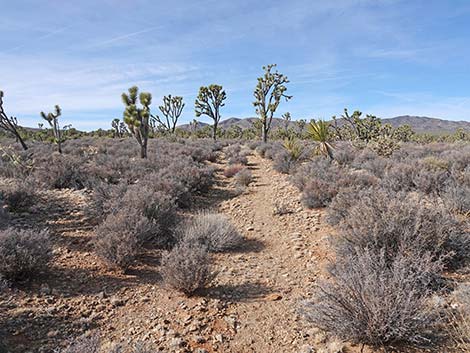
61, 172
244, 177
318, 193
195, 177
457, 197
338, 209
92, 344
344, 153
273, 151
187, 268
4, 216
233, 150
103, 199
283, 163
252, 145
398, 177
319, 168
159, 208
23, 253
238, 159
372, 301
232, 170
84, 344
380, 220
211, 230
119, 238
19, 196
262, 148
459, 314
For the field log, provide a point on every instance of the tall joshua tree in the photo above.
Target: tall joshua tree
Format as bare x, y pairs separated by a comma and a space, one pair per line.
53, 120
268, 93
171, 109
10, 124
138, 119
208, 102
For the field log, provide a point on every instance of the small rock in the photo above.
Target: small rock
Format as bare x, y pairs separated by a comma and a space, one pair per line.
250, 229
177, 342
218, 338
274, 297
115, 302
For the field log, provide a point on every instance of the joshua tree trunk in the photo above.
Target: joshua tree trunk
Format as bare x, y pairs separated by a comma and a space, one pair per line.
143, 149
214, 132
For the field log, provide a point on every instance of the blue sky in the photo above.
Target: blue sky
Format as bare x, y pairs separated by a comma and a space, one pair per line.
384, 57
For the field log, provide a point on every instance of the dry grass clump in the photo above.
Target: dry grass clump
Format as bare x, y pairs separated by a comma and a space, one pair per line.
24, 253
187, 268
211, 230
244, 177
459, 313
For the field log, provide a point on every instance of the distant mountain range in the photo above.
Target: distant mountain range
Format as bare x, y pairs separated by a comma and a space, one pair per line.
420, 124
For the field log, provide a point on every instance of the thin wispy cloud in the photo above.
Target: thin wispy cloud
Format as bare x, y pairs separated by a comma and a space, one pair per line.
354, 53
32, 41
124, 37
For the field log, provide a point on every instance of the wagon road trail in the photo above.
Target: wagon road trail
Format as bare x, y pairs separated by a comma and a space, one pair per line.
269, 280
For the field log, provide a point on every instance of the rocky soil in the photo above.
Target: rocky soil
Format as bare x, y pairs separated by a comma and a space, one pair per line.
253, 305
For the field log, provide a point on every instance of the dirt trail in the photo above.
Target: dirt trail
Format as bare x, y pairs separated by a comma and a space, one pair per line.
268, 282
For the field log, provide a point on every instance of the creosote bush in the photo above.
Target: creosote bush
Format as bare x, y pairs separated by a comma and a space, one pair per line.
187, 267
210, 230
372, 301
23, 253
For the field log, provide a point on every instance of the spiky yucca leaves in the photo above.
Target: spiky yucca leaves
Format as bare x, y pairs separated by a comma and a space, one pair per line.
138, 119
293, 147
319, 131
268, 93
171, 109
53, 120
10, 124
208, 102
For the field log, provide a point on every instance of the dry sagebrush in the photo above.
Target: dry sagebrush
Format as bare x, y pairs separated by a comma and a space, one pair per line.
187, 268
212, 231
372, 301
23, 253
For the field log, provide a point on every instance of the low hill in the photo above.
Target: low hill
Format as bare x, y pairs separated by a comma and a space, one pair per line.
420, 124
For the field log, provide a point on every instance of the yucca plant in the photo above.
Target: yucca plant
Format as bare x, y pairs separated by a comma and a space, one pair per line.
293, 147
319, 131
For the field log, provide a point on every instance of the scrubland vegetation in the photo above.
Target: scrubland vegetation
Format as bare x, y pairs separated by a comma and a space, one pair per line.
397, 203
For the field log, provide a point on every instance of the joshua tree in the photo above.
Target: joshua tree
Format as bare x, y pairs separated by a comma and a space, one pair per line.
208, 102
268, 93
171, 109
53, 120
119, 128
320, 133
10, 124
194, 126
138, 119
